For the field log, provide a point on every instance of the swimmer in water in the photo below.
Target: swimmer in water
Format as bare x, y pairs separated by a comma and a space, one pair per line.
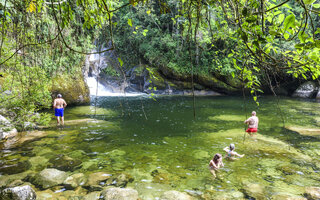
231, 154
215, 164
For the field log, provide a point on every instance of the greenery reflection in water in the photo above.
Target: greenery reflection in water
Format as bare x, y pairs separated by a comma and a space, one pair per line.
163, 147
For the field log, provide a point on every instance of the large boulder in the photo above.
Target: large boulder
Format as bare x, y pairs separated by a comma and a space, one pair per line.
50, 177
6, 129
119, 194
306, 90
18, 193
73, 88
175, 195
312, 193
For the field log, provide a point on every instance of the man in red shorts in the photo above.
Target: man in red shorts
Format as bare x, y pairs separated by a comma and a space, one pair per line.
252, 122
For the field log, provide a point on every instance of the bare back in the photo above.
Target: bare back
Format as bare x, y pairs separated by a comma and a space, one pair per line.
59, 103
253, 122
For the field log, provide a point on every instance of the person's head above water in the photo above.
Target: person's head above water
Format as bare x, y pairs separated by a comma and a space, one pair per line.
59, 96
231, 147
253, 113
217, 156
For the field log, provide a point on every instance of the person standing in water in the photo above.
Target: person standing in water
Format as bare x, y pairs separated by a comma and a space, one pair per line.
59, 104
215, 164
231, 154
252, 122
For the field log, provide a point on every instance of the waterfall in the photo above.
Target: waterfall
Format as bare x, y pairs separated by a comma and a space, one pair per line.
101, 90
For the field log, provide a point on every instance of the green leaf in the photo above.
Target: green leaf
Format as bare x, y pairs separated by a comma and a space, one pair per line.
120, 61
309, 1
316, 5
280, 18
286, 36
289, 22
148, 12
130, 22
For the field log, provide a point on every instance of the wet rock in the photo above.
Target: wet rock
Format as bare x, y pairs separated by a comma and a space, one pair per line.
120, 180
14, 168
287, 197
6, 129
92, 196
6, 180
119, 194
312, 193
64, 163
97, 178
175, 195
38, 162
18, 193
75, 180
90, 165
50, 177
229, 195
254, 190
306, 90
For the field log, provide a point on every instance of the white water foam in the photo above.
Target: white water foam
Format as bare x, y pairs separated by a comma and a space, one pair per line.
103, 91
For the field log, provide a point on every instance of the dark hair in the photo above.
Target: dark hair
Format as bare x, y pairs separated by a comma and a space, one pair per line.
231, 147
217, 156
59, 96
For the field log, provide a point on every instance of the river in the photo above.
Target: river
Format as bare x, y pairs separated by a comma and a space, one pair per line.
158, 145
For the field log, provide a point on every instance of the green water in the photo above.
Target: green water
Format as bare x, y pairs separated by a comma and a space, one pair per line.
163, 147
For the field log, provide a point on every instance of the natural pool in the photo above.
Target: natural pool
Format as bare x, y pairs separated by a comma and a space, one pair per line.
155, 146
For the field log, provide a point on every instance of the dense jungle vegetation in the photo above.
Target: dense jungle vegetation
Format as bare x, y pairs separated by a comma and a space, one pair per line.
256, 41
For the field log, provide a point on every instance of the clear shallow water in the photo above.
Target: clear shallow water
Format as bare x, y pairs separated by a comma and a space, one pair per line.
163, 147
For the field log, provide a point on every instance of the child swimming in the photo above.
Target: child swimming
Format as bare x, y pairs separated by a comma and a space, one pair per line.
215, 164
231, 154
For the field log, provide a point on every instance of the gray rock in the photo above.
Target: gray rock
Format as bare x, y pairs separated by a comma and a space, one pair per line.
306, 90
175, 195
6, 129
312, 193
75, 180
50, 177
18, 193
119, 194
92, 196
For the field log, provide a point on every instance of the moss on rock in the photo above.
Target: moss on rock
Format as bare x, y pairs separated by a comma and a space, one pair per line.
73, 88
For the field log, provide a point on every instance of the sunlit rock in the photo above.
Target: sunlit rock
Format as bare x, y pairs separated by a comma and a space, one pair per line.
49, 177
92, 196
119, 194
312, 193
18, 193
97, 178
255, 190
287, 197
305, 130
75, 180
175, 195
120, 180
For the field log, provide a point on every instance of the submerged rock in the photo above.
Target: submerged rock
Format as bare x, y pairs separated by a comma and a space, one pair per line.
120, 180
254, 190
75, 180
175, 195
96, 178
312, 193
18, 193
119, 194
287, 197
14, 168
64, 163
92, 196
50, 177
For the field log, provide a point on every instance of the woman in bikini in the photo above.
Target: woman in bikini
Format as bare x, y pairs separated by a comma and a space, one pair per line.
215, 164
231, 154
